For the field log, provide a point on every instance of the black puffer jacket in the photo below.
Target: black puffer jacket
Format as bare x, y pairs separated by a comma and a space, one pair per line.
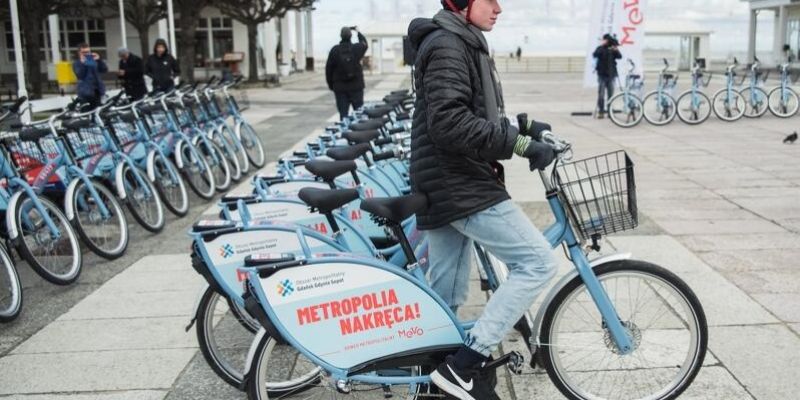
454, 147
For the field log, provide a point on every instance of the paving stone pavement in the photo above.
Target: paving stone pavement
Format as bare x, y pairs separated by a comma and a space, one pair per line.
718, 206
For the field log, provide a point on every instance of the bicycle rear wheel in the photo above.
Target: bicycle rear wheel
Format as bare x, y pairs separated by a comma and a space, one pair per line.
143, 200
783, 106
10, 289
625, 113
660, 313
57, 259
252, 145
106, 237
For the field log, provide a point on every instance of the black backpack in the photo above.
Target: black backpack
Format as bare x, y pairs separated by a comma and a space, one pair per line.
348, 67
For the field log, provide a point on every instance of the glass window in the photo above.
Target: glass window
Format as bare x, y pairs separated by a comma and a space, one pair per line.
79, 24
227, 23
101, 24
203, 23
97, 39
223, 43
200, 48
75, 38
216, 23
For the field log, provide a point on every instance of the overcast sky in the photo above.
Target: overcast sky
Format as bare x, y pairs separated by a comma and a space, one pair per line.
550, 25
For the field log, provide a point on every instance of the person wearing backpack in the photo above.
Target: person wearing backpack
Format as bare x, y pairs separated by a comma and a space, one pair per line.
344, 73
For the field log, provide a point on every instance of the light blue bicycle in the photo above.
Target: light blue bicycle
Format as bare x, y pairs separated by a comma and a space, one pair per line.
783, 100
659, 105
728, 104
337, 325
694, 106
756, 101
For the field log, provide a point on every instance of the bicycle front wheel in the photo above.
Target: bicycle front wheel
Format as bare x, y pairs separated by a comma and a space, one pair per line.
659, 109
783, 104
660, 313
224, 333
728, 105
197, 171
54, 254
625, 111
278, 371
10, 289
215, 158
170, 186
693, 109
143, 200
236, 145
228, 150
755, 102
105, 236
252, 145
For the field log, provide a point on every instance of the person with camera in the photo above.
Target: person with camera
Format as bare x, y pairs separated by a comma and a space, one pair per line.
606, 56
88, 69
344, 73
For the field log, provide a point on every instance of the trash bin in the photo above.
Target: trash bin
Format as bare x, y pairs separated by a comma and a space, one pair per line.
65, 76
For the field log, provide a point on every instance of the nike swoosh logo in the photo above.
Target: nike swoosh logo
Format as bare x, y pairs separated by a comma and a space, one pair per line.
465, 385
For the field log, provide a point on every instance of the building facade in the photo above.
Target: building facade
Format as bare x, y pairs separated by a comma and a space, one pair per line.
282, 41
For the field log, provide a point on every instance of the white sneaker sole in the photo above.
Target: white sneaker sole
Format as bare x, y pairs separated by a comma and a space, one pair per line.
449, 387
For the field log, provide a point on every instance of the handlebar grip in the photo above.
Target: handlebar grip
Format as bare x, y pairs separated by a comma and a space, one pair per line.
383, 141
383, 156
396, 130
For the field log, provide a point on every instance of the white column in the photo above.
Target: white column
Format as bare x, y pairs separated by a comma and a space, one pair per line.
286, 39
55, 46
310, 37
299, 38
122, 23
21, 90
171, 27
270, 46
380, 55
751, 41
163, 30
781, 15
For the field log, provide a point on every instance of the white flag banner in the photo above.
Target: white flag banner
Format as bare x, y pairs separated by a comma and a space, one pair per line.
623, 18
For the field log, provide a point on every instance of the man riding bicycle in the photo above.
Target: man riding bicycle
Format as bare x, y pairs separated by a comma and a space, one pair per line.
460, 132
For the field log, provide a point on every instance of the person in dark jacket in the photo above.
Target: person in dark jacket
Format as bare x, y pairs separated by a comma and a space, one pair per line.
162, 67
131, 73
606, 56
88, 69
459, 133
344, 73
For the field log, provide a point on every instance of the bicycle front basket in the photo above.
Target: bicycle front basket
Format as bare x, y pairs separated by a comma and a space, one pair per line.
600, 194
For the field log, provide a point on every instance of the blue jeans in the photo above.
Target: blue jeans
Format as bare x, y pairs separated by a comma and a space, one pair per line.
506, 232
605, 90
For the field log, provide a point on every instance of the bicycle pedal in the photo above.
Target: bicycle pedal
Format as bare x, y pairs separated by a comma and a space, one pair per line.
513, 360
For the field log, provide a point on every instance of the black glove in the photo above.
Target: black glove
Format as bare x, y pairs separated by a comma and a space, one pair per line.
539, 155
530, 128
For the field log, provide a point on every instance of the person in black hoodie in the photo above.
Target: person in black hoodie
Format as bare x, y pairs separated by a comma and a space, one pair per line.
459, 133
131, 73
161, 67
344, 73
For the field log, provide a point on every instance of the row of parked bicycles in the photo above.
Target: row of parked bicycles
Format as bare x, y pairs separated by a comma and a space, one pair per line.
316, 280
746, 98
64, 180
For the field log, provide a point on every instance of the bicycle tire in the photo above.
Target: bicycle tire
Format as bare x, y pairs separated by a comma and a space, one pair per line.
75, 260
12, 310
236, 143
230, 154
114, 208
637, 118
221, 360
220, 168
787, 111
725, 113
252, 145
665, 118
259, 389
173, 192
702, 116
134, 198
199, 169
699, 344
759, 112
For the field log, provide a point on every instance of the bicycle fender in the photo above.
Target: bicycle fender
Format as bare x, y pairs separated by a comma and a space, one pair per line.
178, 155
196, 307
237, 129
151, 159
537, 322
11, 218
119, 181
69, 208
252, 352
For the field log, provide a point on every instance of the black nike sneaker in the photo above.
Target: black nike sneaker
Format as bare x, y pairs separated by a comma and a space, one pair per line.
471, 384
